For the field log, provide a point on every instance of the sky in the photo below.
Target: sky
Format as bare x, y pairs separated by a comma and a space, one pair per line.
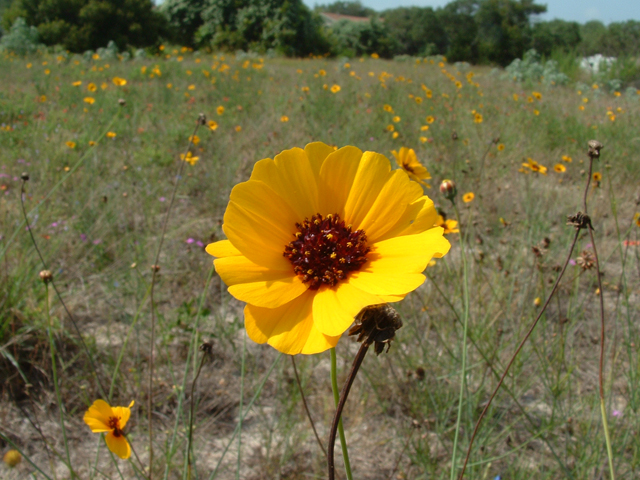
580, 11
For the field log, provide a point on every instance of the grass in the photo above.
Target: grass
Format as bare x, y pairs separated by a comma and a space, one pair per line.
97, 212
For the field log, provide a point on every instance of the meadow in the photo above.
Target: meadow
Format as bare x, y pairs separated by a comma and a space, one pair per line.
102, 143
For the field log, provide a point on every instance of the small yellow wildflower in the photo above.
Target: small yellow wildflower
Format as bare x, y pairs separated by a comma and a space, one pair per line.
89, 100
189, 158
220, 110
101, 417
284, 119
468, 197
396, 119
70, 144
213, 125
92, 87
111, 134
335, 88
119, 82
77, 84
567, 158
559, 168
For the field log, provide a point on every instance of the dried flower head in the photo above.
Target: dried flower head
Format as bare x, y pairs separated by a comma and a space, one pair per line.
377, 324
580, 220
46, 276
24, 177
594, 148
586, 260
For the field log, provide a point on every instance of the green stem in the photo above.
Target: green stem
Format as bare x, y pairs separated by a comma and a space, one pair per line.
607, 437
52, 348
244, 349
336, 398
463, 369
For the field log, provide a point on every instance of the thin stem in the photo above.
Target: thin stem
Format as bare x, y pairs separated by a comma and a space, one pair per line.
463, 368
205, 351
64, 305
340, 400
244, 352
515, 354
154, 270
52, 349
603, 411
306, 407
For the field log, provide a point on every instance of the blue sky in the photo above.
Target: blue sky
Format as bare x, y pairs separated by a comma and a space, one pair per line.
575, 10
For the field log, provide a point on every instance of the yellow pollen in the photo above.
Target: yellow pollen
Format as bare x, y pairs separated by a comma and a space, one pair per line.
342, 260
329, 236
309, 271
333, 255
298, 234
316, 222
307, 253
349, 244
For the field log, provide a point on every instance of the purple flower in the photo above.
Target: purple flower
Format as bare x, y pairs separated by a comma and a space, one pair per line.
97, 241
83, 237
54, 224
572, 262
616, 413
200, 244
162, 199
190, 241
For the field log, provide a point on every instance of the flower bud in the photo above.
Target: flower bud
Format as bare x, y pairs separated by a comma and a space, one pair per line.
12, 458
24, 176
448, 189
46, 276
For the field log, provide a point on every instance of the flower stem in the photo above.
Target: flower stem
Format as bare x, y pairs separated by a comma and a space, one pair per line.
336, 398
52, 349
465, 322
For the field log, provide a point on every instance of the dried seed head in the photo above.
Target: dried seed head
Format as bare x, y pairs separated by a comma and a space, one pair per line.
580, 220
155, 268
496, 140
24, 177
122, 102
594, 148
206, 348
454, 135
376, 324
586, 260
202, 119
46, 276
448, 189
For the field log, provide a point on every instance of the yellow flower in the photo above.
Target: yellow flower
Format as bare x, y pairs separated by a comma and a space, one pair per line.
395, 135
535, 166
597, 176
537, 95
387, 108
104, 86
418, 100
322, 73
396, 119
305, 89
559, 168
12, 458
335, 88
430, 119
375, 55
213, 125
284, 118
567, 158
423, 139
315, 235
581, 107
89, 100
92, 87
238, 128
220, 110
103, 418
92, 143
449, 226
77, 84
468, 197
515, 97
536, 112
119, 82
477, 118
71, 144
111, 134
189, 158
195, 139
169, 85
408, 161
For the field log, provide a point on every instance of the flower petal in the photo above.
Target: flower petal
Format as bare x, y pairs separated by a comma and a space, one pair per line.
97, 416
419, 216
335, 308
291, 176
289, 329
118, 445
389, 205
372, 174
336, 178
258, 285
222, 248
317, 152
123, 413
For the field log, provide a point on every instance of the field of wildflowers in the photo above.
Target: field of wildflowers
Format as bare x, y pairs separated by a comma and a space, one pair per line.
121, 180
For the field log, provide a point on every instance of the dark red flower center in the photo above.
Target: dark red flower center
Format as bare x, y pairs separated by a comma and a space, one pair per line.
325, 250
114, 424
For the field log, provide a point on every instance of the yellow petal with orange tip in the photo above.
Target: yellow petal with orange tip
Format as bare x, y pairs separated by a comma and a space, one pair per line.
222, 248
97, 416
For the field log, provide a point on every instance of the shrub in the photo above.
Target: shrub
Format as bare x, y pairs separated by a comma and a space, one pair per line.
21, 39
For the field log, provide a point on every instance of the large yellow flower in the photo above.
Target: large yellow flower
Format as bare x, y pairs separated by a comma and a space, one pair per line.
101, 417
407, 160
317, 234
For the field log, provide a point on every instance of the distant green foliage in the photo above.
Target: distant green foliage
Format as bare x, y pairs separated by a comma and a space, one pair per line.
355, 9
618, 39
556, 35
418, 31
185, 18
21, 39
79, 25
362, 38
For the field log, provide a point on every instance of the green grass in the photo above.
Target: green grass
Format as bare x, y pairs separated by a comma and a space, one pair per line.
99, 230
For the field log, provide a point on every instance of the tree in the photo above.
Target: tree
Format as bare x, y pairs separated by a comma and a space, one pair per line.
555, 35
362, 38
457, 20
286, 26
80, 25
185, 18
353, 8
417, 30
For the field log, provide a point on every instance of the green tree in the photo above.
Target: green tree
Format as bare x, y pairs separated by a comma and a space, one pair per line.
504, 28
80, 25
593, 36
457, 20
362, 38
417, 30
355, 8
556, 35
288, 26
185, 18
